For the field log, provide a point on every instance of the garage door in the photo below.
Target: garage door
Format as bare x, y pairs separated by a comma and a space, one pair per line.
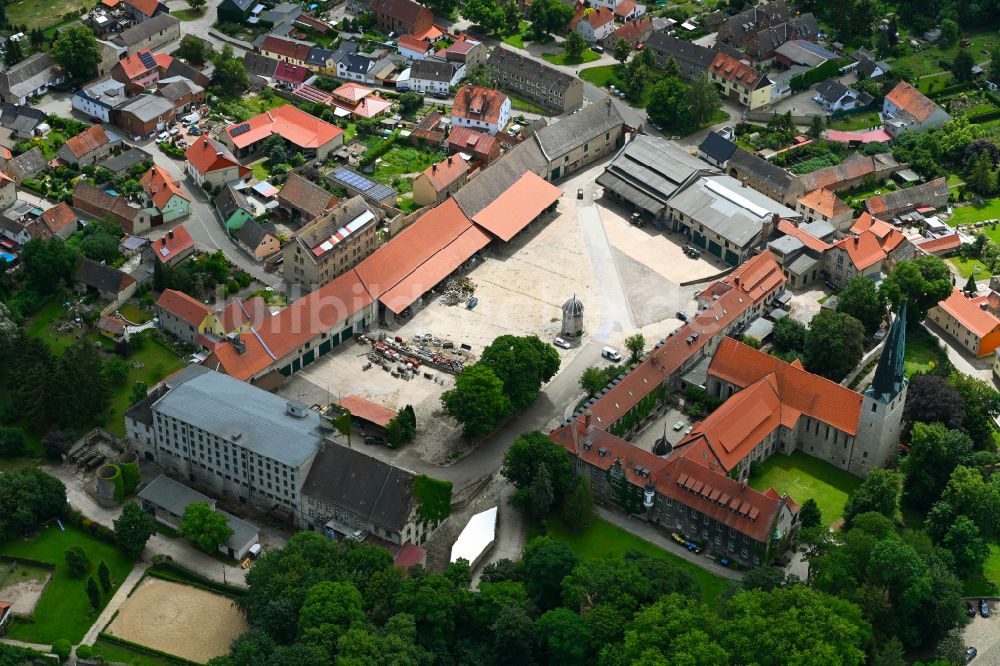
309, 357
347, 333
324, 347
732, 257
715, 248
296, 365
699, 239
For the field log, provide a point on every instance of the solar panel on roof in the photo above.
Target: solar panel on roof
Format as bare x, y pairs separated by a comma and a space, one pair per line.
239, 129
147, 59
354, 179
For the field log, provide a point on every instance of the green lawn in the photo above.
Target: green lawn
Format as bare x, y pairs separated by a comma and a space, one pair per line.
564, 59
929, 60
517, 39
521, 104
64, 609
157, 362
922, 351
967, 267
601, 75
188, 14
989, 582
602, 538
134, 313
990, 210
858, 121
803, 477
43, 326
113, 652
43, 13
402, 158
262, 169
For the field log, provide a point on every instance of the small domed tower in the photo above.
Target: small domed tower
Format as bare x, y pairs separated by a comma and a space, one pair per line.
572, 320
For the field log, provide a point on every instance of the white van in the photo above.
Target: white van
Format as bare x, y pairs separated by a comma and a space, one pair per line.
611, 354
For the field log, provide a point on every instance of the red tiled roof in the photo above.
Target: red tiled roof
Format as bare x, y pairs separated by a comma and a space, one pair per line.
160, 186
467, 139
302, 321
147, 7
87, 141
478, 103
134, 67
431, 34
517, 206
600, 17
753, 281
446, 172
168, 248
969, 313
163, 60
732, 69
807, 239
58, 217
409, 555
825, 202
367, 410
182, 306
293, 124
797, 389
207, 155
290, 73
942, 244
112, 325
412, 43
238, 312
912, 101
624, 8
283, 47
633, 31
864, 250
879, 135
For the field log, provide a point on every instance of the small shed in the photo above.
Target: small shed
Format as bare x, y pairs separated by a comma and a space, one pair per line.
111, 327
372, 414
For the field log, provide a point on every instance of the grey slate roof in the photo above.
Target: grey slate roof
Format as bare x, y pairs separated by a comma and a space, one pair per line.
319, 56
174, 497
534, 70
340, 216
253, 232
721, 204
361, 484
432, 69
26, 165
572, 131
126, 160
147, 107
481, 191
717, 147
101, 277
648, 170
176, 90
30, 74
229, 200
259, 65
684, 52
23, 119
230, 409
762, 171
107, 92
140, 32
356, 63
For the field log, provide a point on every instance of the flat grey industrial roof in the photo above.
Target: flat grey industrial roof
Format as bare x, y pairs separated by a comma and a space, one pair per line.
759, 328
803, 264
786, 244
818, 229
249, 416
723, 205
651, 166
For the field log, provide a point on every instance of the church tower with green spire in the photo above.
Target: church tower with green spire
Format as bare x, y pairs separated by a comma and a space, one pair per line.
881, 419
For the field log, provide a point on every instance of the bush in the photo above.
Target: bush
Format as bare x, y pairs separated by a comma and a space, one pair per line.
77, 561
84, 652
62, 648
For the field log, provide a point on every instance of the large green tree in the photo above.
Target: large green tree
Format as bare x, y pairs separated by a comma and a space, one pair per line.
967, 547
76, 51
194, 50
562, 637
530, 453
666, 103
879, 492
484, 13
133, 528
934, 454
834, 344
549, 16
477, 402
982, 406
861, 299
522, 363
968, 493
329, 610
922, 283
574, 44
703, 100
205, 528
230, 76
545, 563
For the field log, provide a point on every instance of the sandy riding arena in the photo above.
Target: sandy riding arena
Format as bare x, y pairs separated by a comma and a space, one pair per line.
178, 619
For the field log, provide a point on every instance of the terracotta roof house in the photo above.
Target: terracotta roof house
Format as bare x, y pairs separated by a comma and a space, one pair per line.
259, 239
629, 10
359, 101
739, 81
109, 283
295, 75
111, 327
634, 32
209, 161
429, 131
99, 204
539, 82
906, 109
593, 23
822, 204
174, 247
366, 410
968, 321
305, 133
412, 48
480, 147
285, 50
60, 220
439, 181
941, 245
89, 146
32, 77
138, 69
933, 194
304, 200
466, 50
851, 172
143, 10
184, 317
165, 193
480, 108
404, 17
871, 249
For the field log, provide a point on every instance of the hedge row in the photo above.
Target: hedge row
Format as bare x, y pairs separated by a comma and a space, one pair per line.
144, 649
176, 573
380, 150
95, 528
828, 69
28, 563
984, 117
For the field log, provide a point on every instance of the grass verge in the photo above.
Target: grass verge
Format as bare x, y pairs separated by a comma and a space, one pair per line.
566, 59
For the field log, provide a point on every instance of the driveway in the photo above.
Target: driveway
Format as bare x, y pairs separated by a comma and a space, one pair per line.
983, 633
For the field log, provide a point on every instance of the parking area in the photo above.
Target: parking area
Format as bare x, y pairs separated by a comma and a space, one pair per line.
672, 421
983, 633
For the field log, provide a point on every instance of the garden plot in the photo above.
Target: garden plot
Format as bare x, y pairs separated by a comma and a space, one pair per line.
22, 585
177, 619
